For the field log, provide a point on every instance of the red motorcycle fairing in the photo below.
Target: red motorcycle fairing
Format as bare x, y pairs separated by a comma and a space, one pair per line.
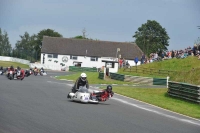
22, 75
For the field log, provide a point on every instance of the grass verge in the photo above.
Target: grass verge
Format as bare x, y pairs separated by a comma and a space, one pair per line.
93, 78
160, 98
14, 64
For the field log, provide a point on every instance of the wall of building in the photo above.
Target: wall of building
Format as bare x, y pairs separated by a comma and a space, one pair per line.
86, 61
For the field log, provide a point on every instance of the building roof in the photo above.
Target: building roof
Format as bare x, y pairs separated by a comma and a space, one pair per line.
83, 47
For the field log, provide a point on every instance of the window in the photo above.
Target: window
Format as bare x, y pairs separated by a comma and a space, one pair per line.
55, 55
52, 55
110, 65
73, 57
94, 59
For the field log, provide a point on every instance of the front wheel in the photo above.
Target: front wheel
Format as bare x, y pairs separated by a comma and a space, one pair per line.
41, 73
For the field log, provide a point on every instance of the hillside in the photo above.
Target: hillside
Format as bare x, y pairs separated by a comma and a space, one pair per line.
181, 70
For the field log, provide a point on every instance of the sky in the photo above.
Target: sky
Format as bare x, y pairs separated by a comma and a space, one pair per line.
106, 20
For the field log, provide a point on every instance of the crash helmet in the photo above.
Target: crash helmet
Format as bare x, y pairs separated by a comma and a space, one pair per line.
109, 88
18, 68
83, 76
11, 67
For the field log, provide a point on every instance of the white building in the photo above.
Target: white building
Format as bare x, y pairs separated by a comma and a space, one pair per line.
86, 53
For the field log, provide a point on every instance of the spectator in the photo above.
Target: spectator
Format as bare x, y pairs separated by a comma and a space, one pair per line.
120, 63
136, 60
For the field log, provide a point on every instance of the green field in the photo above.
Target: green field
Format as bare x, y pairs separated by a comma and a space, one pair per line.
184, 70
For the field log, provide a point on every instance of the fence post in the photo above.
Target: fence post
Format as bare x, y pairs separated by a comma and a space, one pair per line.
104, 73
167, 81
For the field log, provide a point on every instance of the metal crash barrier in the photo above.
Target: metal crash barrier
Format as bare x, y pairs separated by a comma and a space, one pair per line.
184, 91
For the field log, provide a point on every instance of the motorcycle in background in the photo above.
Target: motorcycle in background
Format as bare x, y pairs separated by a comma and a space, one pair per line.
20, 74
35, 72
42, 72
28, 72
10, 74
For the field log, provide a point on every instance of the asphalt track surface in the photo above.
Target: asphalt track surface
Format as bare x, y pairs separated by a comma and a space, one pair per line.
39, 104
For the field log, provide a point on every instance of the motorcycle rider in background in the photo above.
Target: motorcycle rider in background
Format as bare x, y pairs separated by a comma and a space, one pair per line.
42, 69
2, 71
12, 68
18, 71
35, 70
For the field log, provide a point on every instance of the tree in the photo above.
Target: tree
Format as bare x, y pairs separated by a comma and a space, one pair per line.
151, 37
27, 42
25, 47
45, 32
79, 37
5, 46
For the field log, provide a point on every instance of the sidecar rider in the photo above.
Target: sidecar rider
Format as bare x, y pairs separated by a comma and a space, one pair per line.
104, 94
81, 81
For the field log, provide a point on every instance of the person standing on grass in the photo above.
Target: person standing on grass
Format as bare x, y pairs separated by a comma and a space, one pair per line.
136, 60
143, 58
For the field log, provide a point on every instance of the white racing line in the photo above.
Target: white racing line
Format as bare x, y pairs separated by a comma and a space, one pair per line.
147, 109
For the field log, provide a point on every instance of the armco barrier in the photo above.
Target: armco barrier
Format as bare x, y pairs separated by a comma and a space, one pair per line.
159, 81
184, 91
6, 58
82, 69
101, 75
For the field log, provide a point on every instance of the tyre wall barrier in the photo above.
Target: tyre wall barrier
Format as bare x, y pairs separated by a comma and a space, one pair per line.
184, 91
117, 76
101, 75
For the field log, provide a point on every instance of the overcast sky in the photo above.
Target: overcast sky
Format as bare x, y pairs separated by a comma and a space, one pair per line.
108, 20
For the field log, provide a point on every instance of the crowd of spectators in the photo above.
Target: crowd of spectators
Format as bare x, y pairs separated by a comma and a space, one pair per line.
123, 63
165, 55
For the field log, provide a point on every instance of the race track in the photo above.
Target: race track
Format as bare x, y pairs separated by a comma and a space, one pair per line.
39, 104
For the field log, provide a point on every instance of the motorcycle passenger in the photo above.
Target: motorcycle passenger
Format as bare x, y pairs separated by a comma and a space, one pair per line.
81, 81
105, 94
